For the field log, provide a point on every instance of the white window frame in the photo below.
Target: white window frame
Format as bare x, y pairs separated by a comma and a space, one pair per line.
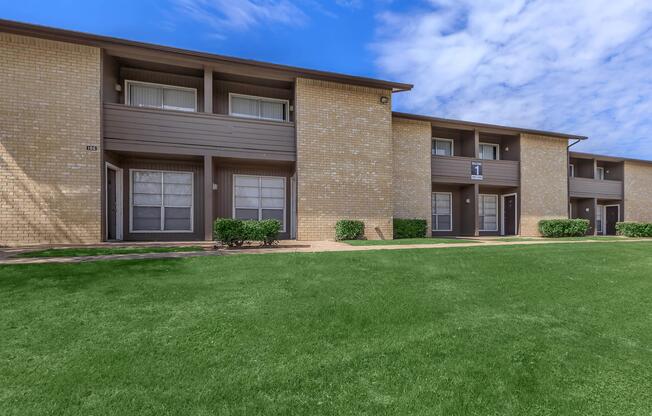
286, 114
601, 209
494, 145
433, 149
599, 169
502, 212
129, 82
162, 206
450, 214
572, 170
260, 205
481, 196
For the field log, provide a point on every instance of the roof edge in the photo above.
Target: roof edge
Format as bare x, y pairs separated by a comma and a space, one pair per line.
607, 158
477, 125
70, 36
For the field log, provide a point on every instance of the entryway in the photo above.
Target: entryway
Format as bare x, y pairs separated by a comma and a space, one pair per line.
113, 202
612, 216
510, 215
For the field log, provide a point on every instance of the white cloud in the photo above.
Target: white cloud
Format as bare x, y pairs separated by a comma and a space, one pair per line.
229, 15
579, 66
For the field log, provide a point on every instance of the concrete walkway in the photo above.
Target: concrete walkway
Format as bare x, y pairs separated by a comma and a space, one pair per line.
285, 246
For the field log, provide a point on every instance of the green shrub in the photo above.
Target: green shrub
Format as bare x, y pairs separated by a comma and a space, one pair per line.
229, 231
410, 228
234, 233
265, 231
349, 230
634, 229
563, 228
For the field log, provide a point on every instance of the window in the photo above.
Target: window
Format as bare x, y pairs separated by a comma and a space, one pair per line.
599, 173
571, 171
161, 201
489, 151
259, 198
488, 212
258, 107
442, 147
167, 97
442, 211
598, 218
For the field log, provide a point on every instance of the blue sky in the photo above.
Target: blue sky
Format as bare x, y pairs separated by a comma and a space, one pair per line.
579, 66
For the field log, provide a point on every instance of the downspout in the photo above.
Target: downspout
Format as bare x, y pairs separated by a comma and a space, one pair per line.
568, 205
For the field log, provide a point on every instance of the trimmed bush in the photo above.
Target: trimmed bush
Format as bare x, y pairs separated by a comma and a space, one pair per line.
265, 231
229, 231
234, 233
409, 228
634, 229
564, 228
349, 230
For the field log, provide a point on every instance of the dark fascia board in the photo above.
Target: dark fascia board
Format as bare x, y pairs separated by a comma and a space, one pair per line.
70, 36
488, 128
606, 158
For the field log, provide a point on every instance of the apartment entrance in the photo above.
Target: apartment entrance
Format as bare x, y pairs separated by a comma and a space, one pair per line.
113, 202
509, 214
612, 216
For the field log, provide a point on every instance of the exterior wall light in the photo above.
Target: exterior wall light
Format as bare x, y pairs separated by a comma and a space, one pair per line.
384, 99
468, 200
587, 209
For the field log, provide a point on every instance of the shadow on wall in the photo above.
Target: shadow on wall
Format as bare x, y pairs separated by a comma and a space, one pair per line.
34, 211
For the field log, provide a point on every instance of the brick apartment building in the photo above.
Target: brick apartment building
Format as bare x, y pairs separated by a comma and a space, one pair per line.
107, 139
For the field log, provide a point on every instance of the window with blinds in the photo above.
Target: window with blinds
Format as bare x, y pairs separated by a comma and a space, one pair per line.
442, 211
161, 201
259, 198
488, 211
442, 147
488, 151
258, 107
142, 94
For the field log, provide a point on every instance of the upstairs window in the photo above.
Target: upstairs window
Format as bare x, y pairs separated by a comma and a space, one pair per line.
166, 97
599, 173
489, 151
442, 147
258, 107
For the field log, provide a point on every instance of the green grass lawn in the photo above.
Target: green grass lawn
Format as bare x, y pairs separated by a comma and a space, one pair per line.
504, 330
104, 251
403, 241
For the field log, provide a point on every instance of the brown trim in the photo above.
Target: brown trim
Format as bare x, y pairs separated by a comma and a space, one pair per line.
483, 127
199, 59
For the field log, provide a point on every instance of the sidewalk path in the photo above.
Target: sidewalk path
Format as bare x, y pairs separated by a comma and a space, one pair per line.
285, 246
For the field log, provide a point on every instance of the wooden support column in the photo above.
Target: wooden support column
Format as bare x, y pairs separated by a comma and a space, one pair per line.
208, 90
208, 197
476, 217
476, 143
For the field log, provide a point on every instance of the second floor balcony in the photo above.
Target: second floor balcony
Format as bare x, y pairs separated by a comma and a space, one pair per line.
462, 170
595, 188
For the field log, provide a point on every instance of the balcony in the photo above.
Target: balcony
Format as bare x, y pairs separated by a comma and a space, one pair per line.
594, 188
176, 132
446, 169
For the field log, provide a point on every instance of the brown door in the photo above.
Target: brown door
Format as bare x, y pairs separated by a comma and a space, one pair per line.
510, 215
111, 204
611, 220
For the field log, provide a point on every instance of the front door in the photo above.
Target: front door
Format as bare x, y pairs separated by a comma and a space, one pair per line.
612, 214
111, 205
510, 215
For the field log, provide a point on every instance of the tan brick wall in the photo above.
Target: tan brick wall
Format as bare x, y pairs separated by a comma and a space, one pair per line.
49, 113
638, 192
544, 181
344, 159
412, 173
